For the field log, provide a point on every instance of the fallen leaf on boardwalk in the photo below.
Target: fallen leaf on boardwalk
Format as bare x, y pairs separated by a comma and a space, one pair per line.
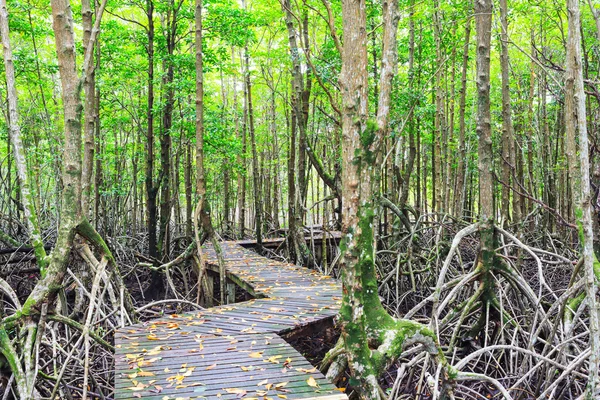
211, 367
155, 351
282, 396
308, 371
261, 383
280, 385
311, 382
138, 387
255, 354
145, 373
236, 391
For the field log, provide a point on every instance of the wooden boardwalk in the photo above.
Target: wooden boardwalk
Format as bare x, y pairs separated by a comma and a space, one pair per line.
233, 351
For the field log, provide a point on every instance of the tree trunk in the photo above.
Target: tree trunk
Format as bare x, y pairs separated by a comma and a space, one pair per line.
156, 284
508, 134
440, 128
255, 167
164, 237
459, 188
486, 257
575, 118
89, 93
371, 337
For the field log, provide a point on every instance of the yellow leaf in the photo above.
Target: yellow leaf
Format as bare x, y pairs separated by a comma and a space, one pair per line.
211, 367
235, 390
255, 354
145, 373
311, 382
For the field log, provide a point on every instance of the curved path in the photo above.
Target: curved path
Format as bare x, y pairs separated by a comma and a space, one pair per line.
233, 351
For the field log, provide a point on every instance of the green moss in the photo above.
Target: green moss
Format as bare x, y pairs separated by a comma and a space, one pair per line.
368, 134
452, 373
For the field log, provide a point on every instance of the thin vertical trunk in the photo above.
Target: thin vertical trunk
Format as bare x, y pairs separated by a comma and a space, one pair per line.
276, 150
134, 165
575, 116
98, 169
404, 181
151, 189
486, 258
187, 178
440, 128
156, 284
255, 168
508, 145
449, 157
27, 199
164, 237
89, 93
243, 171
299, 98
459, 188
530, 125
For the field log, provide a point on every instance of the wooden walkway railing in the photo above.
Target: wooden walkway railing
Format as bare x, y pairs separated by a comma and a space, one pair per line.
233, 351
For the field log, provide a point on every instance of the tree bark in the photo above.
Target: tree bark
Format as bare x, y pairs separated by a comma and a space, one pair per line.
575, 118
459, 188
255, 168
89, 93
164, 236
487, 254
370, 336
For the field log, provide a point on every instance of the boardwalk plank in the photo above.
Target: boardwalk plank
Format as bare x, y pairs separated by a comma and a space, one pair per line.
222, 351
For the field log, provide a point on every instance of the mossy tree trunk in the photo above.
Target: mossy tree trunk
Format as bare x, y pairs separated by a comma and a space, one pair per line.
371, 338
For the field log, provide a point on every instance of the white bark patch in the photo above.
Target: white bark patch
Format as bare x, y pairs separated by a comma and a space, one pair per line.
374, 386
387, 341
357, 312
358, 367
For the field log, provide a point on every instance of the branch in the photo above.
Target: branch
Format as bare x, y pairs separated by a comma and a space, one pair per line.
76, 325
